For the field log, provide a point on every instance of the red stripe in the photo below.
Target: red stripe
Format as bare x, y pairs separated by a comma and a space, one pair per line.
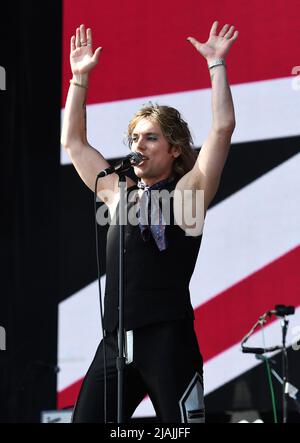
224, 320
68, 396
145, 51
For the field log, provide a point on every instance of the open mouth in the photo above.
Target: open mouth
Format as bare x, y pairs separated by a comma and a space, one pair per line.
144, 158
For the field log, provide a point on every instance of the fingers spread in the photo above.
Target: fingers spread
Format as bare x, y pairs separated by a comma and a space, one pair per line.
235, 36
83, 37
214, 27
229, 33
89, 38
223, 30
77, 42
73, 47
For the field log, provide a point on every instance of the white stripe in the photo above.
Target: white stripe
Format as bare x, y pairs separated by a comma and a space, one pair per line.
79, 333
264, 110
248, 230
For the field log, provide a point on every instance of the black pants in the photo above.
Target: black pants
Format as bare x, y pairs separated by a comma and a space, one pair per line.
167, 365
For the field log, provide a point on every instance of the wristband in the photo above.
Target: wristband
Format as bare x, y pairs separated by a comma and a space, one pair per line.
216, 62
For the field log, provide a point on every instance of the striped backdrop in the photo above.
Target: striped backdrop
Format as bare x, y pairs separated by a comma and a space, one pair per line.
250, 254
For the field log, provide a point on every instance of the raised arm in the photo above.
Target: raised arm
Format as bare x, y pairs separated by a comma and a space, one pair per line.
87, 160
208, 168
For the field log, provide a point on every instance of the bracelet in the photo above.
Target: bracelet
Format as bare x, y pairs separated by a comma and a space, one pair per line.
77, 84
216, 62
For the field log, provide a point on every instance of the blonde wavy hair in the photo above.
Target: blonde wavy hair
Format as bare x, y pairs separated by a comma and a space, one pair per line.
174, 128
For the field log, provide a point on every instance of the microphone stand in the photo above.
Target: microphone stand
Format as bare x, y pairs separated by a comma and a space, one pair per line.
284, 325
134, 158
281, 311
291, 390
121, 359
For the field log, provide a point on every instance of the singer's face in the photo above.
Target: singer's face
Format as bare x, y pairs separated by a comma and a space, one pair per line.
148, 139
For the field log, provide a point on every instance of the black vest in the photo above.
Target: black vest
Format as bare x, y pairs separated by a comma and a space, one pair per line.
156, 282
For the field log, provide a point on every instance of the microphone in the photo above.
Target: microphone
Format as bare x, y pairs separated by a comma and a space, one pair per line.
259, 350
132, 159
282, 310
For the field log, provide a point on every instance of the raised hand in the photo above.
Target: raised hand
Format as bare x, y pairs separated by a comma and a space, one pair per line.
217, 45
82, 59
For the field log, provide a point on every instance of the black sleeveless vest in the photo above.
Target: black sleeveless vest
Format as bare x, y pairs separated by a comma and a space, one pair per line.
156, 282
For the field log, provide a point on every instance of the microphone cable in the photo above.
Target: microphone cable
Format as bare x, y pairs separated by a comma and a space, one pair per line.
100, 300
269, 376
261, 322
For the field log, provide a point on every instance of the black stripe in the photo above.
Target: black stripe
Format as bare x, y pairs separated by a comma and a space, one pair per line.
249, 161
